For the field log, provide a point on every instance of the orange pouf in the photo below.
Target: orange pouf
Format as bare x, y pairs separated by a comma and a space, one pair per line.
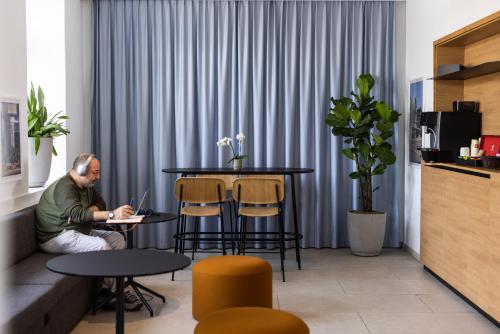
251, 320
230, 281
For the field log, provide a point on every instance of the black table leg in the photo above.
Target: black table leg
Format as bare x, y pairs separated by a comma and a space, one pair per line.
130, 238
295, 223
141, 297
119, 306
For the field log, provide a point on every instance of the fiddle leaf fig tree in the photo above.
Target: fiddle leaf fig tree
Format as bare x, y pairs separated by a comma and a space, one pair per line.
366, 125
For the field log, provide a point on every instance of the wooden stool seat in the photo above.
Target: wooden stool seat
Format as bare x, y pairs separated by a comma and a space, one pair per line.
231, 281
251, 320
201, 211
259, 211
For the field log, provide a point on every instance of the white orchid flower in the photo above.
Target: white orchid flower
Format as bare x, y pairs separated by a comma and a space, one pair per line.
240, 137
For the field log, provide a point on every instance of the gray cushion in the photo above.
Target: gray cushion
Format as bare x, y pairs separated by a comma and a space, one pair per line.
33, 270
20, 230
25, 304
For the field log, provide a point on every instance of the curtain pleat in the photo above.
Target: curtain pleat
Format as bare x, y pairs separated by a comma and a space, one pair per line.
169, 78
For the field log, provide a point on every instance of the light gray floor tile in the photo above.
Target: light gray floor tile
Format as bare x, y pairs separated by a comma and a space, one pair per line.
446, 303
335, 292
382, 286
431, 323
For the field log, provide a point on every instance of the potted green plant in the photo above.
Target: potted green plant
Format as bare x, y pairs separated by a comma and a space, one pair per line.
366, 125
41, 132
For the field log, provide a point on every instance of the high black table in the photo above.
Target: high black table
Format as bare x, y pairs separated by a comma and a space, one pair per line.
288, 171
119, 264
157, 217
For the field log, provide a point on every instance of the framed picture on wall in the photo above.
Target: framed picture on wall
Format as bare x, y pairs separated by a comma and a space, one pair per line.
10, 140
415, 132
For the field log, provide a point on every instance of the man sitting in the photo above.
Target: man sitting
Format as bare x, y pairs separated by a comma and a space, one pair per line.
65, 214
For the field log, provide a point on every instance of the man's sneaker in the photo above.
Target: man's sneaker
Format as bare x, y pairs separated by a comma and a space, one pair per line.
131, 302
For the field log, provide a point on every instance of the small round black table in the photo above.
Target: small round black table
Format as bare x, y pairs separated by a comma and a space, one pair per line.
119, 264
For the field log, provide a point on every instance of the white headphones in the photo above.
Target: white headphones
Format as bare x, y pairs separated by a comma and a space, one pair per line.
83, 167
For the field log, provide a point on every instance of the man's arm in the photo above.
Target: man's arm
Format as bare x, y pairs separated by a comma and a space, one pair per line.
98, 201
68, 199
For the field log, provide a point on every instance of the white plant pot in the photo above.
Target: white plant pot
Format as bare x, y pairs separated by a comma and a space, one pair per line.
39, 164
366, 232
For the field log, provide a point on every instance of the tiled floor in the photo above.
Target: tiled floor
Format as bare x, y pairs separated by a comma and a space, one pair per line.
335, 292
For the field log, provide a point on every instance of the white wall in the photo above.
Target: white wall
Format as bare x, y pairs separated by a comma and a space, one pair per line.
13, 85
52, 50
426, 21
46, 65
78, 62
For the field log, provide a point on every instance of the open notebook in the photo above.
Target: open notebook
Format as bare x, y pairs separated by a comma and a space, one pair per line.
130, 220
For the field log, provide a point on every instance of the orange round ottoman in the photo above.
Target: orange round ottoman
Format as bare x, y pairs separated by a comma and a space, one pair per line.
222, 282
251, 320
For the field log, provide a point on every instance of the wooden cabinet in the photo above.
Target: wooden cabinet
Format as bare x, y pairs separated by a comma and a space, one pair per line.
460, 211
460, 232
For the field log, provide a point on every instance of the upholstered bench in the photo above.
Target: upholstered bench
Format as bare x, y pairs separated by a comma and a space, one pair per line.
230, 281
251, 320
35, 299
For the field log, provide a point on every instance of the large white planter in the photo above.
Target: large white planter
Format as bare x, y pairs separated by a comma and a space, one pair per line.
366, 232
39, 164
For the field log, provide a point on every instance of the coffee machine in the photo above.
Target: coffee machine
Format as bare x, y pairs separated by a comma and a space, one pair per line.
443, 133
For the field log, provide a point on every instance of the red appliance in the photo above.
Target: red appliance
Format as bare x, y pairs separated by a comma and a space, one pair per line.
490, 144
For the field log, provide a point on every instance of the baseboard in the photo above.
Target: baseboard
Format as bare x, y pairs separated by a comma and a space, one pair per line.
412, 252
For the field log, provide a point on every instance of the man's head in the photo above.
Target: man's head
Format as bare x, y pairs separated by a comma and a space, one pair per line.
86, 170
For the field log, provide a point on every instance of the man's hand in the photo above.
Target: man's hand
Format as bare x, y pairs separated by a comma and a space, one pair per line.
123, 212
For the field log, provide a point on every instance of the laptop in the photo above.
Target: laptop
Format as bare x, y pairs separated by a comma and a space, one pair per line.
134, 219
141, 202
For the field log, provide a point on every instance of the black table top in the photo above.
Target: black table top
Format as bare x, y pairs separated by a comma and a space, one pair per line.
118, 263
243, 171
159, 217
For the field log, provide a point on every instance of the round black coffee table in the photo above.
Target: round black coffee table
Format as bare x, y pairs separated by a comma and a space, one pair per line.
118, 264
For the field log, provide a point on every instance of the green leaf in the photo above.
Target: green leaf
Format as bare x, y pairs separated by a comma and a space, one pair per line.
364, 148
348, 141
341, 110
342, 131
32, 123
37, 144
364, 83
375, 189
385, 155
355, 116
54, 152
334, 121
395, 116
348, 153
384, 111
380, 169
378, 139
354, 175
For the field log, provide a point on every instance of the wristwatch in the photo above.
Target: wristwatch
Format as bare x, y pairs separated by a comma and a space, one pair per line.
111, 215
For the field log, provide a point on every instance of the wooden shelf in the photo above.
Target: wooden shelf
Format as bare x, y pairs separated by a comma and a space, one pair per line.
472, 72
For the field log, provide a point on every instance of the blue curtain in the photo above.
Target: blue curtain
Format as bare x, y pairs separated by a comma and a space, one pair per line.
172, 77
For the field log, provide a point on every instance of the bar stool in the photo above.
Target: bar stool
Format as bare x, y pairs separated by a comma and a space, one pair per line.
200, 191
228, 180
260, 191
